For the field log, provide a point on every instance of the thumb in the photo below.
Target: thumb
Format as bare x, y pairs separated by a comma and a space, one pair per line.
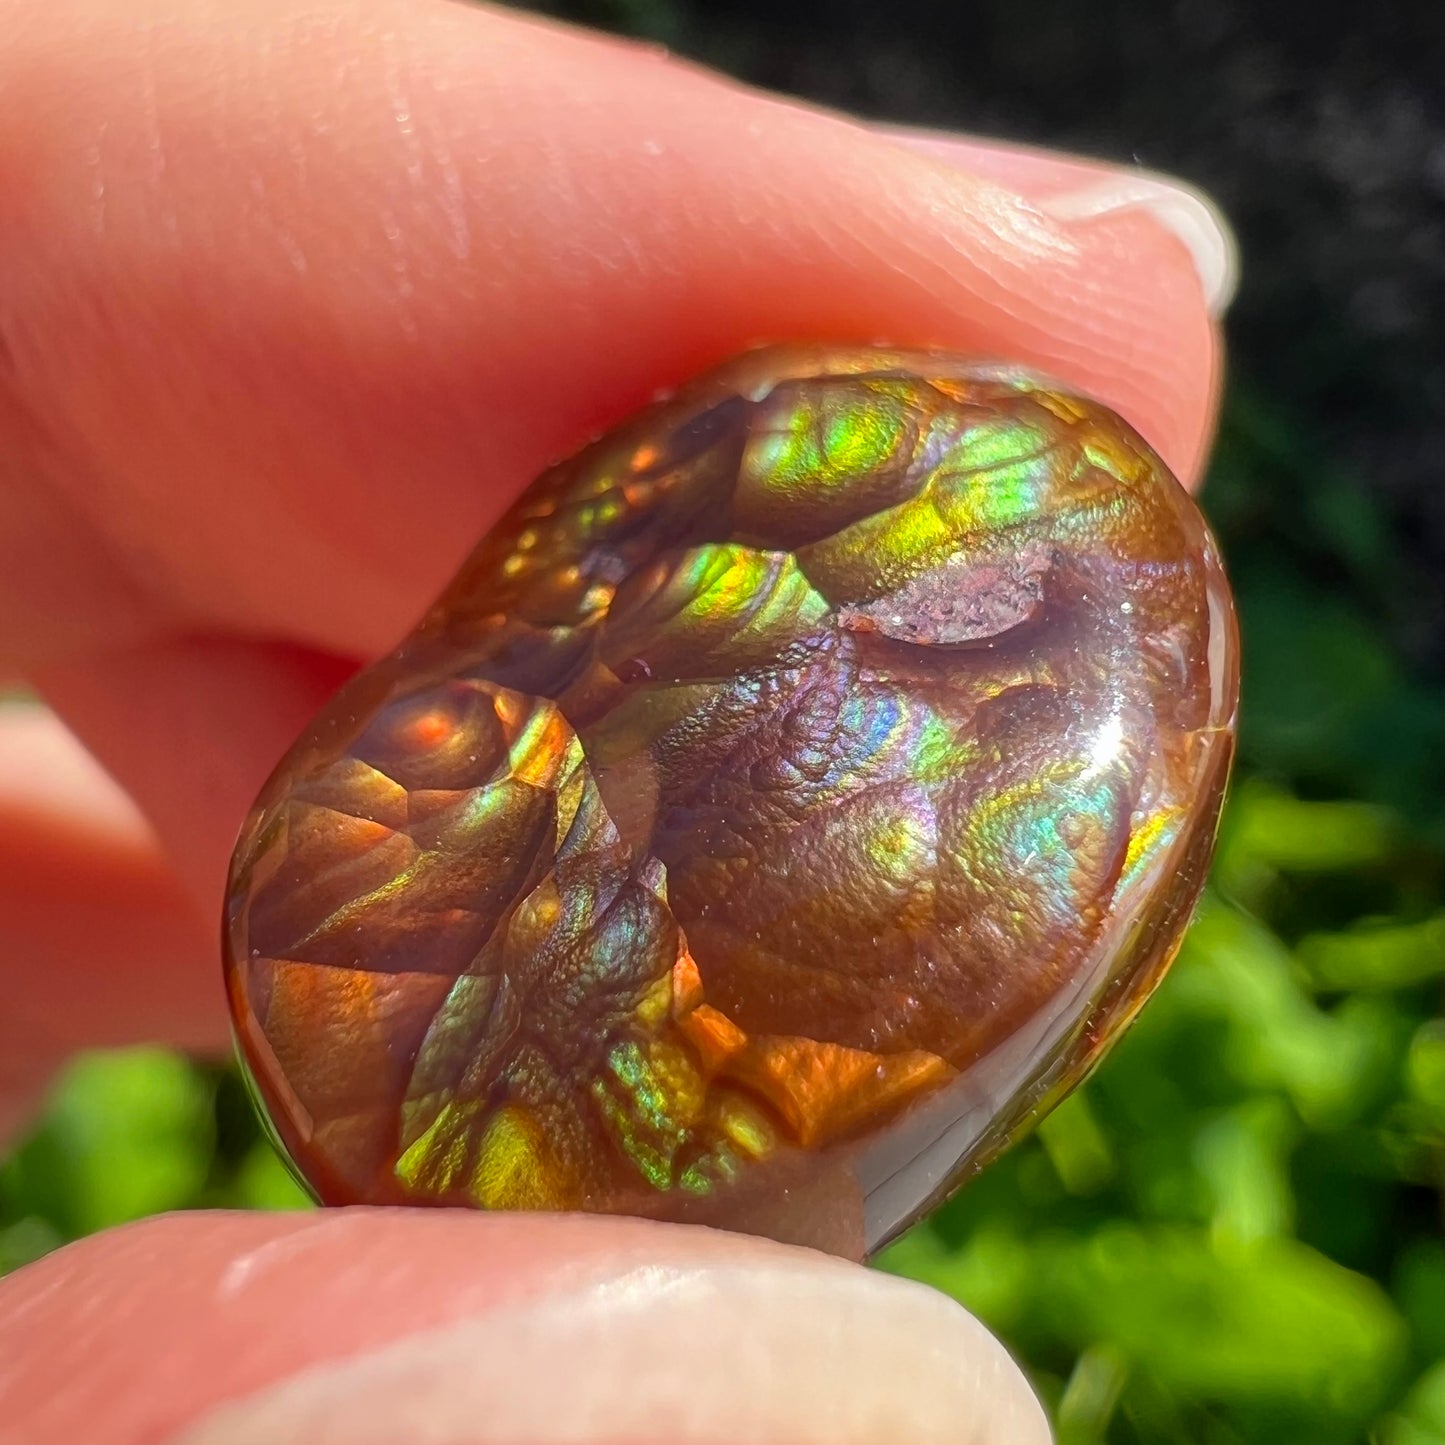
373, 1326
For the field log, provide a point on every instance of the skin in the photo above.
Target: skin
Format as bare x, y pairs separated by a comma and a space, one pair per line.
295, 300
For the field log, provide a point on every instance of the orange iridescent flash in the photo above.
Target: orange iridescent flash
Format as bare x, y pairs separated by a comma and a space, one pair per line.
795, 793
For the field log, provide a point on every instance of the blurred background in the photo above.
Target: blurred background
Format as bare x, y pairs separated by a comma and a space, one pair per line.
1234, 1233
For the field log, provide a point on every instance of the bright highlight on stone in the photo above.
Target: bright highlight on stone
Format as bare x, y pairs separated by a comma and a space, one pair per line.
793, 796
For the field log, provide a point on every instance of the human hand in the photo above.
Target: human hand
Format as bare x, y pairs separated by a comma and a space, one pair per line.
295, 299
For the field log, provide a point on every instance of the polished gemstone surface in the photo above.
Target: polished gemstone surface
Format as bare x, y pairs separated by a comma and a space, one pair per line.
792, 796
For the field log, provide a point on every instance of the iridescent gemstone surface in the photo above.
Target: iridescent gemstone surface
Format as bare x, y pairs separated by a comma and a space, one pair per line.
790, 798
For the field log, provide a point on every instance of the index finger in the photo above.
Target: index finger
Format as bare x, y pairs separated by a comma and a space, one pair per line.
296, 299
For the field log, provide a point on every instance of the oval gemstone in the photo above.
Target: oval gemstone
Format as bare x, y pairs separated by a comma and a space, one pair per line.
791, 797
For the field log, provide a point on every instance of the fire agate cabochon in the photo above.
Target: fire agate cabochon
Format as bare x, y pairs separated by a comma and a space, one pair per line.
793, 794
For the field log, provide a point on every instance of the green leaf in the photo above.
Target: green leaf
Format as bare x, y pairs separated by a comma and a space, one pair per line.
265, 1182
1331, 1063
124, 1134
1421, 1420
1265, 825
1376, 954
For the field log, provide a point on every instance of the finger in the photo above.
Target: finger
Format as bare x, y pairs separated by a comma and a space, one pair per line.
1073, 187
373, 1326
204, 430
295, 299
101, 944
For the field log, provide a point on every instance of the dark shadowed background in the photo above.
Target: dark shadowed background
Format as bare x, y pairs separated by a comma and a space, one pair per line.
1234, 1233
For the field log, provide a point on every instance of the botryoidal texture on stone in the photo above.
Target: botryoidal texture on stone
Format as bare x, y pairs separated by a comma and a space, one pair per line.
791, 797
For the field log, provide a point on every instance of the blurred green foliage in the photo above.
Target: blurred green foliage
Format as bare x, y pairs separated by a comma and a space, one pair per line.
133, 1132
1232, 1234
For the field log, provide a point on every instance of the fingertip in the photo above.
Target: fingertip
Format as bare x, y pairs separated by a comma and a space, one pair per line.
421, 250
376, 1325
1166, 260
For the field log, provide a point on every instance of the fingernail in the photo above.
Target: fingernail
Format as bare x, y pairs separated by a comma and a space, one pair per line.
790, 1353
1188, 213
